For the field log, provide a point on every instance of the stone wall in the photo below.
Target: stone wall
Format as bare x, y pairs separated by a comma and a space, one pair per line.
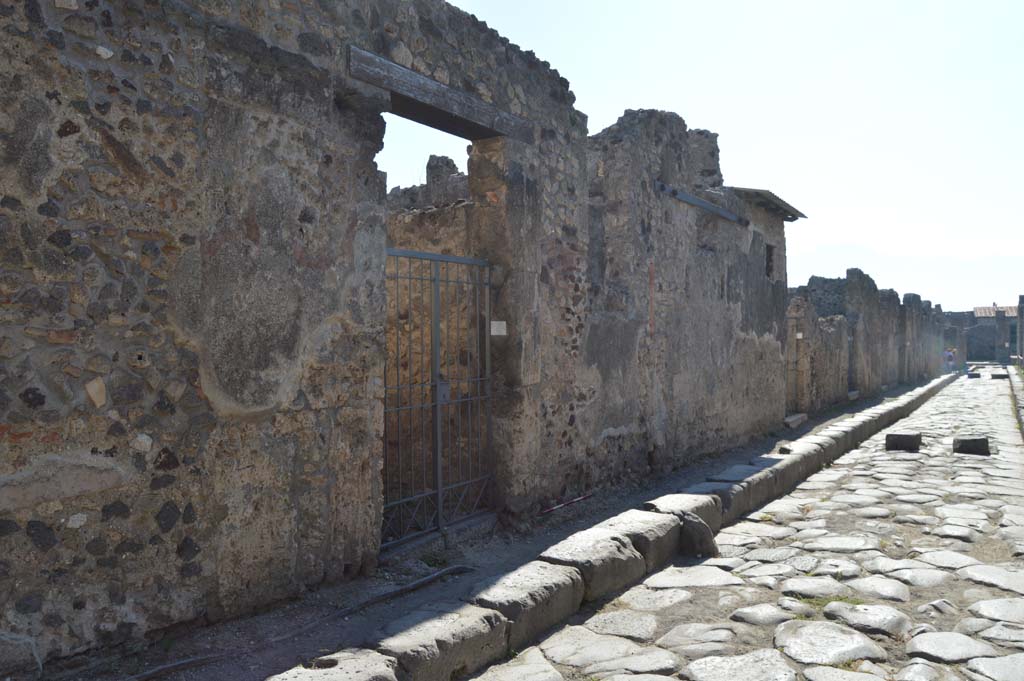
193, 237
194, 300
817, 358
883, 342
668, 309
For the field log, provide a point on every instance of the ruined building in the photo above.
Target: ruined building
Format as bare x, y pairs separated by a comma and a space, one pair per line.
233, 367
992, 333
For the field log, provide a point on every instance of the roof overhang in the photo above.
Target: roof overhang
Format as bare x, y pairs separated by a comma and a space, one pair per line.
763, 198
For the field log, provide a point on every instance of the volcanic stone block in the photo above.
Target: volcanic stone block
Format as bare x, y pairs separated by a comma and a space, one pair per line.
907, 442
351, 665
444, 640
973, 374
971, 444
534, 598
654, 535
794, 420
707, 507
1002, 375
606, 559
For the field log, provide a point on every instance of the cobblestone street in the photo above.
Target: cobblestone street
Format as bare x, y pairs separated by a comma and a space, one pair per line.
888, 564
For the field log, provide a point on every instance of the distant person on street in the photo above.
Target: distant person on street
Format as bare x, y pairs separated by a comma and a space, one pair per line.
949, 360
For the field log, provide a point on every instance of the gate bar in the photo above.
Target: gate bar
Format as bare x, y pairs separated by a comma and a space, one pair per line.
435, 379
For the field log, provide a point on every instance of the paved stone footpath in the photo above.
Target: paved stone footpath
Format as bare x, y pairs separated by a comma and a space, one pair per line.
892, 564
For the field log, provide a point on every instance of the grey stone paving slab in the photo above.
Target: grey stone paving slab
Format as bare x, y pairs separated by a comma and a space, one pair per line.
814, 587
645, 599
948, 646
994, 576
1002, 609
833, 674
576, 646
921, 577
825, 643
762, 614
691, 577
841, 544
872, 619
836, 567
1007, 668
951, 560
877, 586
760, 665
529, 665
644, 661
637, 626
1004, 634
346, 665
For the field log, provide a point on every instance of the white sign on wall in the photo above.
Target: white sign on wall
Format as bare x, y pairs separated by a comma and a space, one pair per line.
499, 328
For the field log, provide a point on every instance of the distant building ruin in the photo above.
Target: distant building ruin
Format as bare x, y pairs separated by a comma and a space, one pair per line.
234, 366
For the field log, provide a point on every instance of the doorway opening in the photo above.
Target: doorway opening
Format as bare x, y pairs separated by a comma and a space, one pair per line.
437, 412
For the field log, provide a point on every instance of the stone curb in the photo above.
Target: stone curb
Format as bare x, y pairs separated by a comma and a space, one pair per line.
506, 613
1017, 388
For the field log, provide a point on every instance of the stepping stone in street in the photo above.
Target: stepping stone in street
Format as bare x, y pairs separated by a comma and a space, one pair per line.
825, 643
871, 619
691, 577
971, 444
815, 587
881, 587
1007, 668
762, 614
760, 665
948, 647
1000, 609
907, 441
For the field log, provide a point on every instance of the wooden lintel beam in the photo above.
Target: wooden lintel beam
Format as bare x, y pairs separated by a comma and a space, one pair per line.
426, 101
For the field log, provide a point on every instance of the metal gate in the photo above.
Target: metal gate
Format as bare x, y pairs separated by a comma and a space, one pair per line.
437, 410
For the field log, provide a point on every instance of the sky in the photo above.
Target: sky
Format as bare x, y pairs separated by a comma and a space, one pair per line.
896, 127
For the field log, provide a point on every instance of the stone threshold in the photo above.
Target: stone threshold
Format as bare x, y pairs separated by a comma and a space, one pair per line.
449, 640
